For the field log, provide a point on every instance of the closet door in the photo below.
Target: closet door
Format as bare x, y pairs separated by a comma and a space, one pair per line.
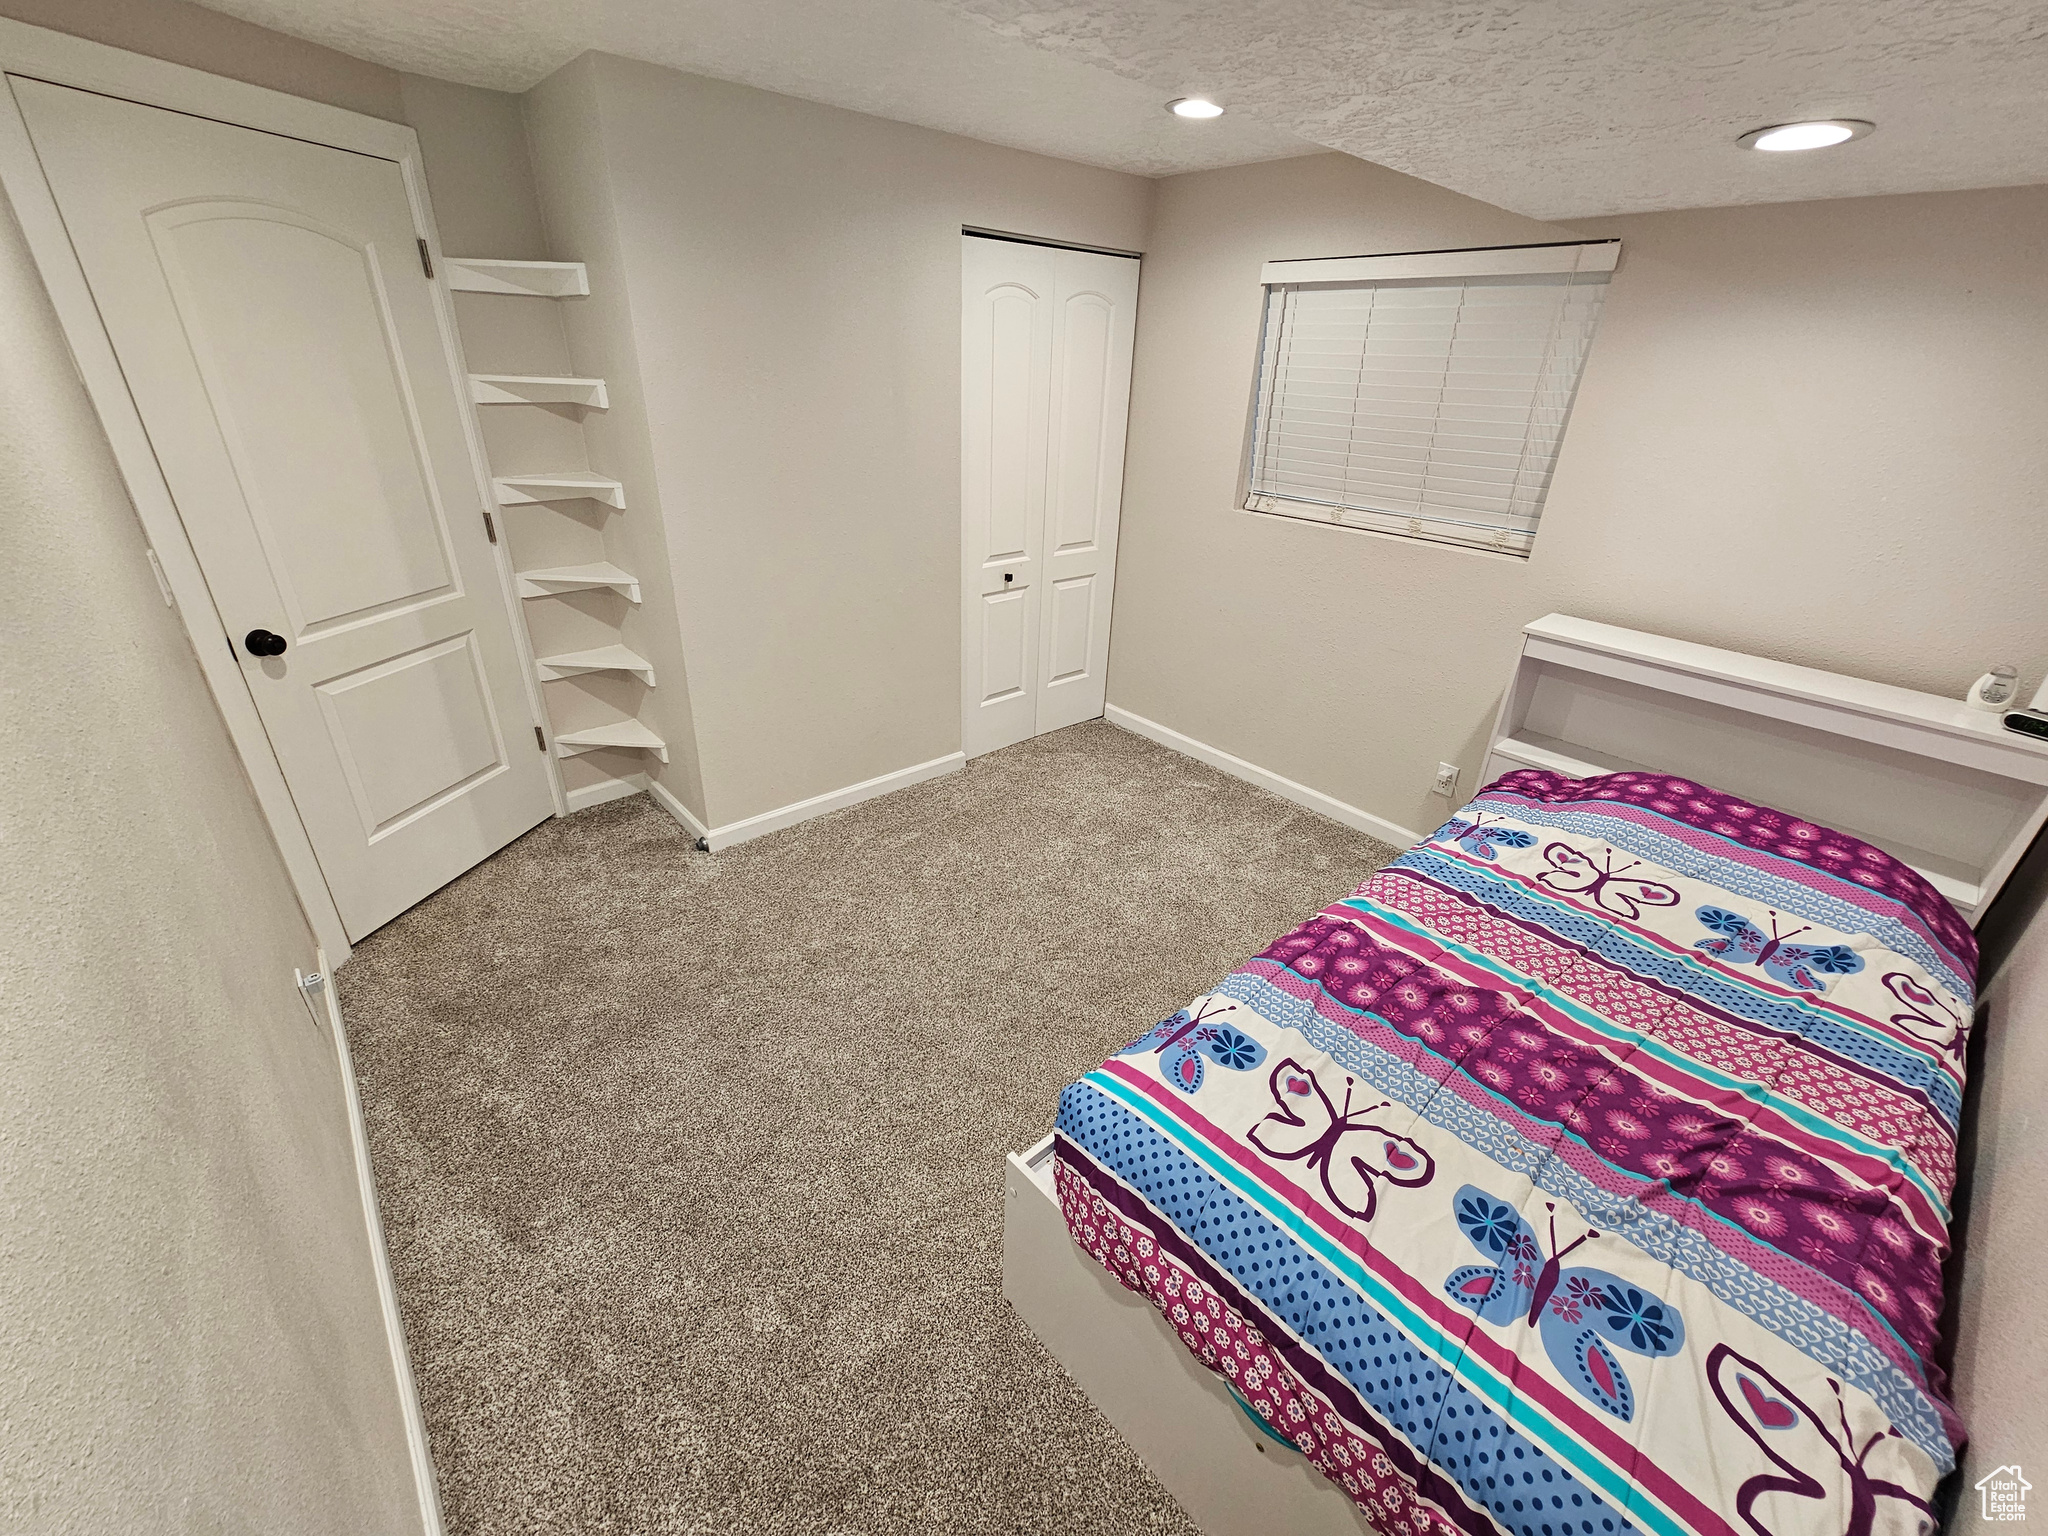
1095, 313
1045, 392
1006, 347
267, 302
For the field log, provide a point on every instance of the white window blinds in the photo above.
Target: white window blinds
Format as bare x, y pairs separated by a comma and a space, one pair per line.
1422, 395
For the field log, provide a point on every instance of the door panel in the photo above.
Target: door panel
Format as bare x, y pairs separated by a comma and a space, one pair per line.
1084, 343
1070, 629
265, 300
260, 290
1097, 309
1006, 327
439, 696
1003, 652
1016, 429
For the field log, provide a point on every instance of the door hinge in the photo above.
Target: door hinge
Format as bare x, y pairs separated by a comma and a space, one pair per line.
539, 740
426, 261
490, 528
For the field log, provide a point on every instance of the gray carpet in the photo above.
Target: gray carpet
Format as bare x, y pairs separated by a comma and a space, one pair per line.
691, 1164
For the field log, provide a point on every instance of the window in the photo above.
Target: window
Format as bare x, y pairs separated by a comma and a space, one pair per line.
1422, 395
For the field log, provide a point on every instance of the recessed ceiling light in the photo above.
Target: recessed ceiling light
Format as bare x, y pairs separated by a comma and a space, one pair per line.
1193, 106
1818, 135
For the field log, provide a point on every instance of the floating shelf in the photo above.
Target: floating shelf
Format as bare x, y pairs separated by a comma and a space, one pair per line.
536, 279
579, 578
567, 485
605, 658
533, 389
630, 734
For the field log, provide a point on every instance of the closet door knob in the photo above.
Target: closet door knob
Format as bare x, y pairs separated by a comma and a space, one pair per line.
261, 642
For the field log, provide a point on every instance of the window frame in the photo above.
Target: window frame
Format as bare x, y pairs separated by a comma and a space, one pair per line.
1597, 259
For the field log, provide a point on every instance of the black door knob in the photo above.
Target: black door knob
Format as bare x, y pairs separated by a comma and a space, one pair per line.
261, 642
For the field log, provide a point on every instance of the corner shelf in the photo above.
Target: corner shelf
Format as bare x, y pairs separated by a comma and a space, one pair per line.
549, 581
534, 389
603, 658
565, 485
534, 279
628, 734
564, 280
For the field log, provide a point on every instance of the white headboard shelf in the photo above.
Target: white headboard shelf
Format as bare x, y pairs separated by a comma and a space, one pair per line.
1929, 780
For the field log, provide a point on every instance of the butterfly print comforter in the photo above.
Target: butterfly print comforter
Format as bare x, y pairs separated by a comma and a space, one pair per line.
1585, 1172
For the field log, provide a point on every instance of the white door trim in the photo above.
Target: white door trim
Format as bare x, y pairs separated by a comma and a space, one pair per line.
65, 60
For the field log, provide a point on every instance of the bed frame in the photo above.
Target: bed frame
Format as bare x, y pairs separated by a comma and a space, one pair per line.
1936, 784
1231, 1477
1931, 781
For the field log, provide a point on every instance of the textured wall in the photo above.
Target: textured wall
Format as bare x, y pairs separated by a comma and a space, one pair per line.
792, 288
473, 144
2002, 1286
1810, 431
571, 166
192, 1339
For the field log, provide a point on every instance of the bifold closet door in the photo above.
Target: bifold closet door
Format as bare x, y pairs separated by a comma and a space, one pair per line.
267, 302
1045, 396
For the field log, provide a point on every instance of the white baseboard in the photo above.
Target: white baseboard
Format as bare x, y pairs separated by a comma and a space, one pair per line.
664, 797
584, 796
1311, 799
803, 810
380, 1261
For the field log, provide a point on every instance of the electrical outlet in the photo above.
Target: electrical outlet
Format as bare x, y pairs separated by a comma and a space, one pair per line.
1446, 779
310, 984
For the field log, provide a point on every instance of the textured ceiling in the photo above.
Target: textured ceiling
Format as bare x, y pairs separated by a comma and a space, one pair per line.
1554, 108
910, 60
1563, 108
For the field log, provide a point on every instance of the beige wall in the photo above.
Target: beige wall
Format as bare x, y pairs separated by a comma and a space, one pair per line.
567, 133
2003, 1287
192, 1340
1812, 431
192, 35
792, 277
473, 144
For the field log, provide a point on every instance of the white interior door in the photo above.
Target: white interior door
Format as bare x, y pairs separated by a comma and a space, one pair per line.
1045, 374
266, 301
1006, 346
1095, 316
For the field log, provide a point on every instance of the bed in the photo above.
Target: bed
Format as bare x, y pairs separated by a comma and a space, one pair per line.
1585, 1171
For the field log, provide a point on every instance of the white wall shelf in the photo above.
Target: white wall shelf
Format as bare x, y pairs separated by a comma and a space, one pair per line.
560, 280
1937, 785
537, 389
534, 279
564, 485
550, 580
603, 658
627, 734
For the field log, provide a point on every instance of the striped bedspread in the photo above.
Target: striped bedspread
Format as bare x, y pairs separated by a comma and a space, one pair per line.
1586, 1171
